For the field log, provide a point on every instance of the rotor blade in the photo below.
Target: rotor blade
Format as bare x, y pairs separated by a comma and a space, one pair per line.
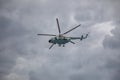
51, 46
71, 29
46, 34
58, 26
72, 42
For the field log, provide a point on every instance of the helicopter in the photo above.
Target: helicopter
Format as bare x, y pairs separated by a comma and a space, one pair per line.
61, 39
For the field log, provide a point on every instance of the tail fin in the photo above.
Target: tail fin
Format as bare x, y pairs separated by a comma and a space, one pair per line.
83, 37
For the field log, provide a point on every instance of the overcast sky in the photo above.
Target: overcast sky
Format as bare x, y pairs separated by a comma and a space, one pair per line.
26, 56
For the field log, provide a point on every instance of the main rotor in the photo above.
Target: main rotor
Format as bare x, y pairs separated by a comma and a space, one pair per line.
59, 30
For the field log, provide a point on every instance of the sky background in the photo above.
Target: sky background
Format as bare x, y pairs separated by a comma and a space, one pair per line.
26, 56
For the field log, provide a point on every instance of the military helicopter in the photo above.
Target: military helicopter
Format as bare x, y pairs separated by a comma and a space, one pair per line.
60, 39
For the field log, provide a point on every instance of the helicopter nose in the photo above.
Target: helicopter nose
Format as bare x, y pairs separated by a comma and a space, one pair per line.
49, 41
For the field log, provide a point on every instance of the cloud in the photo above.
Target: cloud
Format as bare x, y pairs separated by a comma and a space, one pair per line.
112, 42
25, 56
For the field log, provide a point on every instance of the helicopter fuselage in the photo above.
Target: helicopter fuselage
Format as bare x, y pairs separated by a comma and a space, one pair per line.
59, 40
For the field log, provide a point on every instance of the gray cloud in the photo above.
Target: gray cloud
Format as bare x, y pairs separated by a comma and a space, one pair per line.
8, 45
113, 41
25, 56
